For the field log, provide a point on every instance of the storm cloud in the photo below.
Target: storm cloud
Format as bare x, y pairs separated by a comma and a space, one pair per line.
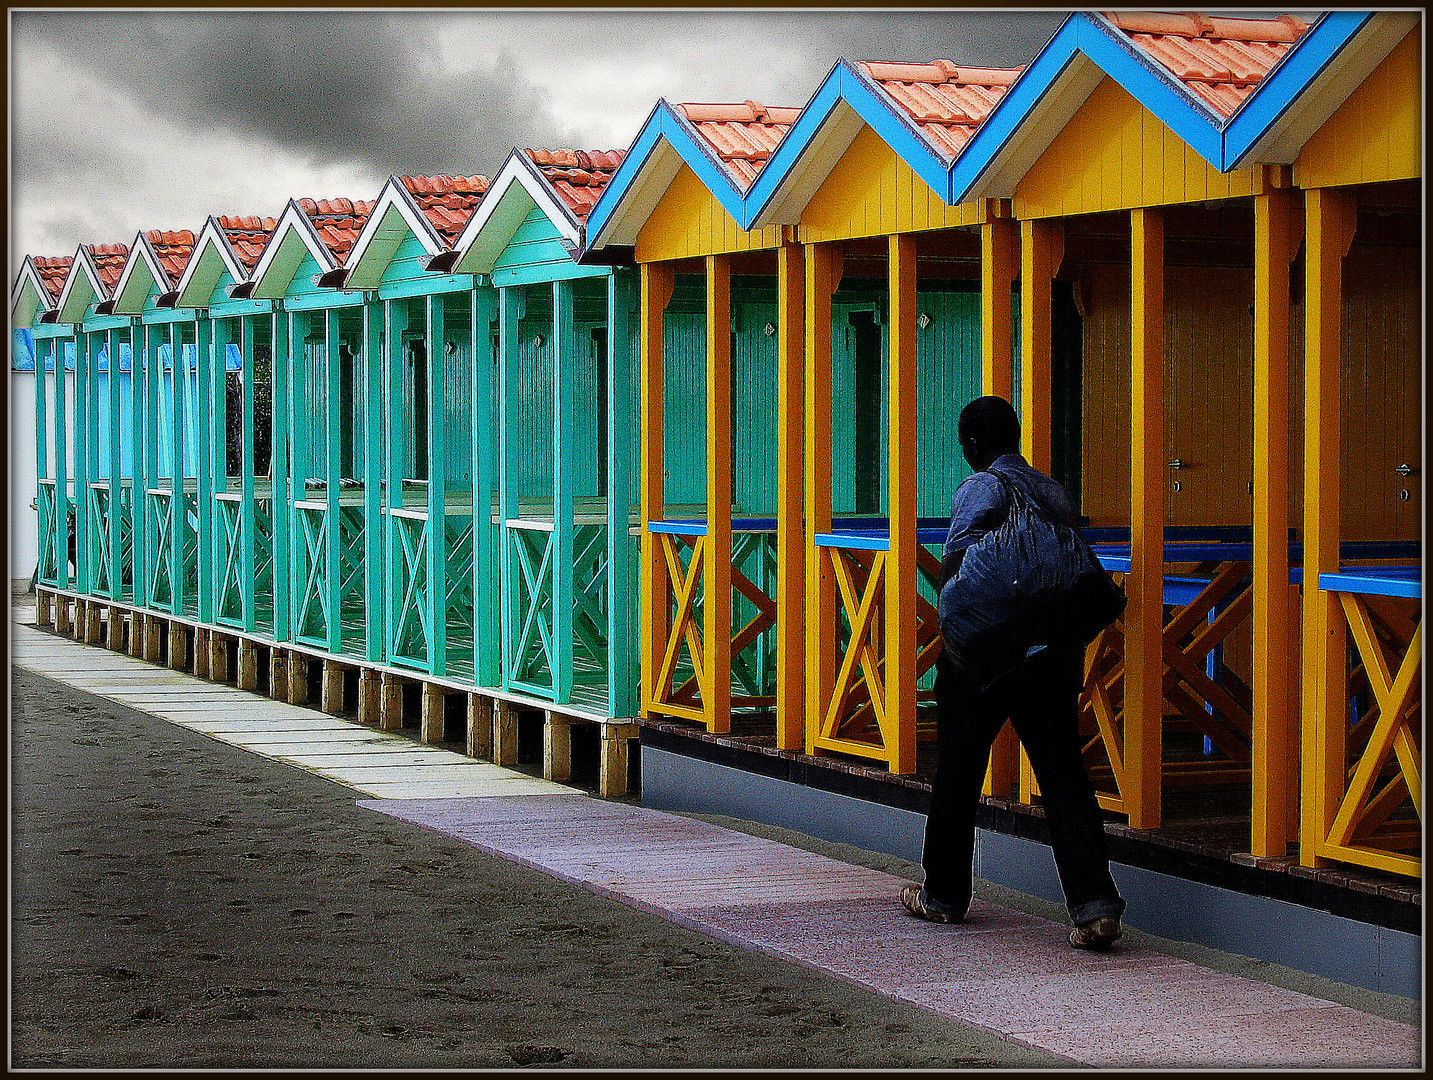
128, 120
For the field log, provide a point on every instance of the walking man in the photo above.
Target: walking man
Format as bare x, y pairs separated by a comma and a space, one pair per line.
1039, 695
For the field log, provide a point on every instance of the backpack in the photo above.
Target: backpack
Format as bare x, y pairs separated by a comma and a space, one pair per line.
1030, 582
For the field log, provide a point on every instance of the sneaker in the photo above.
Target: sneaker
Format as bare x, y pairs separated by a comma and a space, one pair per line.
915, 900
1098, 935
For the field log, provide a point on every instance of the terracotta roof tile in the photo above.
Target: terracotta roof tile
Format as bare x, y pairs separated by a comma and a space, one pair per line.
337, 222
247, 237
109, 260
948, 102
446, 201
1220, 59
577, 176
172, 249
52, 271
743, 134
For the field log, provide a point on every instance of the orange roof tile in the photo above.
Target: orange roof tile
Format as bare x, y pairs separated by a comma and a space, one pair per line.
948, 102
742, 134
337, 222
172, 249
1219, 59
52, 271
109, 260
577, 176
247, 237
446, 201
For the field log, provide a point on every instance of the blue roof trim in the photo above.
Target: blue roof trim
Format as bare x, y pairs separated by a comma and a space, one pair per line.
1316, 48
810, 121
626, 174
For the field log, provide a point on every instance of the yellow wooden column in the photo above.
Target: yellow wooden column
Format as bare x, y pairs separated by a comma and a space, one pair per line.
901, 596
716, 561
1041, 249
1144, 618
1274, 724
997, 276
657, 284
1329, 218
790, 541
823, 274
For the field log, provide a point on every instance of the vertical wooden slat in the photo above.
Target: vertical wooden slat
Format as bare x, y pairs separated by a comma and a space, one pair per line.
901, 594
790, 542
1144, 662
138, 478
624, 696
249, 550
487, 632
396, 321
179, 520
1329, 217
563, 467
374, 420
998, 238
116, 559
658, 281
1039, 241
207, 450
437, 491
823, 274
62, 428
1273, 645
83, 439
281, 451
300, 443
716, 565
332, 469
509, 462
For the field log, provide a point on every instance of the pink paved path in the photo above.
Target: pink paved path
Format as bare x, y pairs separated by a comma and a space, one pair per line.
1002, 970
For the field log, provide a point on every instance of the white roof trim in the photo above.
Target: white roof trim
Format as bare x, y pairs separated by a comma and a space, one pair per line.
293, 222
497, 218
141, 252
212, 236
654, 177
66, 305
380, 238
29, 277
806, 175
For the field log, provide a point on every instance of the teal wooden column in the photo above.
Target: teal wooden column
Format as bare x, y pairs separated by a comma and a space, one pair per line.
138, 481
116, 563
248, 516
395, 316
437, 493
509, 353
333, 535
564, 467
487, 634
207, 450
153, 386
622, 682
82, 367
62, 481
300, 445
281, 452
373, 517
178, 378
44, 351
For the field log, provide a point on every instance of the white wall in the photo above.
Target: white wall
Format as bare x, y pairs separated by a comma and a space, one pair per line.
23, 548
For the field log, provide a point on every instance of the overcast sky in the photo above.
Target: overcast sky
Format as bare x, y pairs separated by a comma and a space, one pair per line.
125, 120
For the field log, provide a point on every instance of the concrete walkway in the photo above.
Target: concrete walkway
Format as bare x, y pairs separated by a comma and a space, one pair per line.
1002, 970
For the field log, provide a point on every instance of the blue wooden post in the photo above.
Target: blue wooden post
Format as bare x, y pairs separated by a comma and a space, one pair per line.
487, 636
333, 553
248, 514
622, 684
509, 350
563, 468
176, 498
373, 519
116, 485
437, 496
279, 364
208, 450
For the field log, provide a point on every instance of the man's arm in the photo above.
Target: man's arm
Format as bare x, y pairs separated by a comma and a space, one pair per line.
979, 505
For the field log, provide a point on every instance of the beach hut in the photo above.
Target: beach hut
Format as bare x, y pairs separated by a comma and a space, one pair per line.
239, 419
32, 311
553, 601
719, 357
421, 332
315, 345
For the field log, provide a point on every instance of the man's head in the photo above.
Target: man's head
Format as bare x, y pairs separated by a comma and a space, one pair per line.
987, 428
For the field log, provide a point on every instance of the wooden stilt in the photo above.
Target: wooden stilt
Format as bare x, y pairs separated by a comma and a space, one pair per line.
94, 627
43, 608
612, 765
153, 629
331, 691
278, 674
247, 677
218, 657
505, 734
368, 699
556, 747
390, 708
430, 720
480, 727
298, 678
62, 615
202, 654
178, 647
136, 634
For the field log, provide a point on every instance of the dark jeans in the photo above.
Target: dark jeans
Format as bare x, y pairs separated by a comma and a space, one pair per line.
1041, 699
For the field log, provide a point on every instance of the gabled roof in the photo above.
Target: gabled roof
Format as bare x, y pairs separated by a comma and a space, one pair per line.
563, 184
231, 245
37, 288
156, 261
324, 228
726, 145
93, 276
434, 209
927, 113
